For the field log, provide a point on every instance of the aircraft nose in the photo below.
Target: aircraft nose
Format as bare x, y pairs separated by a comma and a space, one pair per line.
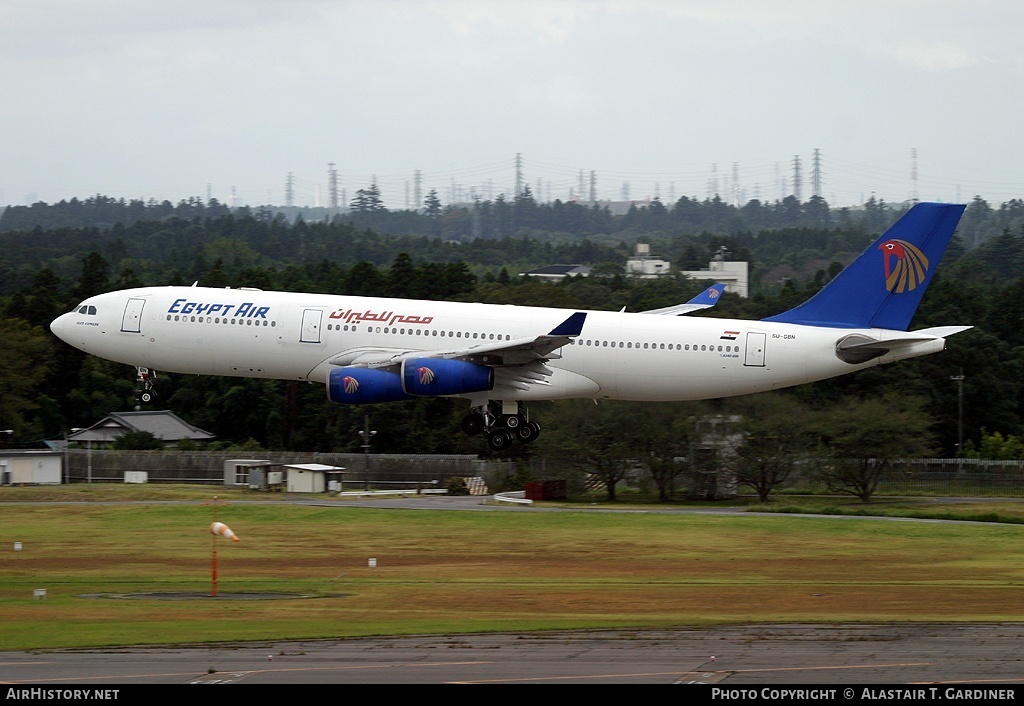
57, 326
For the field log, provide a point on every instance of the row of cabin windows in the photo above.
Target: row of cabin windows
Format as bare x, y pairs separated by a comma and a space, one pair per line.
661, 346
421, 332
219, 320
506, 337
459, 334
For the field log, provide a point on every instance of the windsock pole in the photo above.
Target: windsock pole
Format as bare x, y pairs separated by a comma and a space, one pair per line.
222, 530
213, 581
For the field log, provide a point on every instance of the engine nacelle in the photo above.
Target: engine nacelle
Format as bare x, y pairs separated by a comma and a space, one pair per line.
352, 385
434, 377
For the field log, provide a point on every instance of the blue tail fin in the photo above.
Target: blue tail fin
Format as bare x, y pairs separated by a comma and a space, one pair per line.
884, 285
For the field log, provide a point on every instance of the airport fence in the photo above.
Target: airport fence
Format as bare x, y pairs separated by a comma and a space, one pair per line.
921, 476
364, 471
948, 477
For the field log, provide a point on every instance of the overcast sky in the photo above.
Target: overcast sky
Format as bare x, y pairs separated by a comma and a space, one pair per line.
167, 100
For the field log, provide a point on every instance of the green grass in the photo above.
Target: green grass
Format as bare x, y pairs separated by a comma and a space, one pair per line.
968, 510
451, 572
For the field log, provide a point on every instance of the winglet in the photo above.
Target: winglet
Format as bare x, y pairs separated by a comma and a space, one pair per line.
709, 297
572, 326
884, 285
705, 300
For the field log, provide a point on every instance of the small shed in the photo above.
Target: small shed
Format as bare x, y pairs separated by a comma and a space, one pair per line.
31, 467
247, 471
311, 477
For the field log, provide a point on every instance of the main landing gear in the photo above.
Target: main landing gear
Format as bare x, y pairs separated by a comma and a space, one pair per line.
501, 424
144, 380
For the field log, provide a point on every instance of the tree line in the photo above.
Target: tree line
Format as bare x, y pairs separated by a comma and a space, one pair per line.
519, 215
50, 388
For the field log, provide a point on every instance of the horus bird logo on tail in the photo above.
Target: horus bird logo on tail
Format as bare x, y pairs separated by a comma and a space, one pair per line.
905, 265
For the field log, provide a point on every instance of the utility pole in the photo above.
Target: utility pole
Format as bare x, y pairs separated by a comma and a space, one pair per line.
959, 410
366, 434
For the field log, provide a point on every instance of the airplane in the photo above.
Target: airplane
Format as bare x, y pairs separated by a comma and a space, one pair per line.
368, 350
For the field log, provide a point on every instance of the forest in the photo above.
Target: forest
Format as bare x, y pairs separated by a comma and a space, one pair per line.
966, 400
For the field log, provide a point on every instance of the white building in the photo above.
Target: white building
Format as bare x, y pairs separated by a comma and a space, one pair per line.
734, 275
31, 467
643, 265
311, 477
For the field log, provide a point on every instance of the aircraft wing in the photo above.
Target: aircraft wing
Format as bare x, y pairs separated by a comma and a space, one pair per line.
705, 300
496, 354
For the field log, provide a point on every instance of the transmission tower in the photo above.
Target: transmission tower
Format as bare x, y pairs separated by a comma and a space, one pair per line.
519, 174
332, 186
593, 188
816, 173
797, 179
913, 175
417, 190
289, 190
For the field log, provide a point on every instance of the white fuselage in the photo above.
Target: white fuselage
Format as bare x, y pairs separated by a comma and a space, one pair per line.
290, 336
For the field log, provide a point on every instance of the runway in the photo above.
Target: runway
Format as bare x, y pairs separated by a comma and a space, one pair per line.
973, 655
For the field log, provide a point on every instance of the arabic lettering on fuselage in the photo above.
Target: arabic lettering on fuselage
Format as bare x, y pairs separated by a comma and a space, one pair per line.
388, 318
245, 310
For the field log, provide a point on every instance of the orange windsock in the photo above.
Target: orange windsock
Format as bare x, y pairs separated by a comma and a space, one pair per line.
223, 530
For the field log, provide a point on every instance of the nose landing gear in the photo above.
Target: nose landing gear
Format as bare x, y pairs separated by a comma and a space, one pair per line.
144, 381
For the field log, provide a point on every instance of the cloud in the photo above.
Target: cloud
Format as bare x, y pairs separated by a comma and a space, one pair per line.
545, 20
934, 56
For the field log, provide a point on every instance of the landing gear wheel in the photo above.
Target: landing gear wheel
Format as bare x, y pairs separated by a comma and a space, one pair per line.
499, 440
147, 396
513, 420
528, 432
473, 424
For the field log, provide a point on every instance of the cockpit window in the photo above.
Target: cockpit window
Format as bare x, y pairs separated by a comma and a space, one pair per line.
88, 310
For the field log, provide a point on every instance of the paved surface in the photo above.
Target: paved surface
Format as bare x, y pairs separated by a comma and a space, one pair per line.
971, 655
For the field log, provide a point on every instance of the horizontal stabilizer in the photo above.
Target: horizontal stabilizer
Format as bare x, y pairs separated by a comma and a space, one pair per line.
858, 348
